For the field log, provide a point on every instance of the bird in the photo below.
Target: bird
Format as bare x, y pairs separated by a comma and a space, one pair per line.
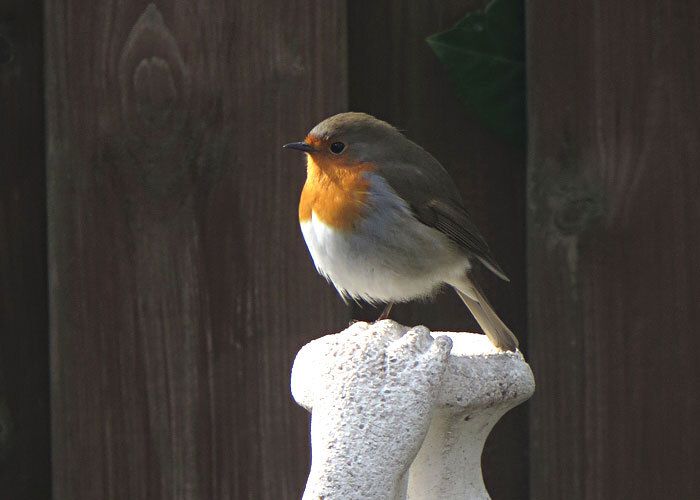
385, 223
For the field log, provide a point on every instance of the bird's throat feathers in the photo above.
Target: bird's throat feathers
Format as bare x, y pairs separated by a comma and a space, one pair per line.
335, 191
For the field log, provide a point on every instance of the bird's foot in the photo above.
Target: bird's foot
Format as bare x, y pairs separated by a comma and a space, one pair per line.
385, 313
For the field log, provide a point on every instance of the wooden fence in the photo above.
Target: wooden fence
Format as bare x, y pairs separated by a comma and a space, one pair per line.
614, 248
154, 286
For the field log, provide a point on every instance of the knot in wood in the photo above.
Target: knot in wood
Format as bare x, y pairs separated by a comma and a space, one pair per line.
575, 214
154, 89
154, 81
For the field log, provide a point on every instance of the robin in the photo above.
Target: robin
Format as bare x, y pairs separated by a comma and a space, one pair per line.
385, 223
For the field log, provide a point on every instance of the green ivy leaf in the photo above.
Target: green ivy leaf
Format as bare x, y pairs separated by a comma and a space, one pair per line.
485, 57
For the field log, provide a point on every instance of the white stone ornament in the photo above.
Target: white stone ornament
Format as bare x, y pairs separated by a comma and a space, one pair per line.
396, 415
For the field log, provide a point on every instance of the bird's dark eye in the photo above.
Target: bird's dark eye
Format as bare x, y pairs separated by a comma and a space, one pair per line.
337, 148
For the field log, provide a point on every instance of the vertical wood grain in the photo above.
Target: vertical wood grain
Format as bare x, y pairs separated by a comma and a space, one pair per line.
180, 286
614, 272
24, 355
394, 75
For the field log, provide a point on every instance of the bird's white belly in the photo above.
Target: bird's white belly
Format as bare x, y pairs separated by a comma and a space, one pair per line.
388, 256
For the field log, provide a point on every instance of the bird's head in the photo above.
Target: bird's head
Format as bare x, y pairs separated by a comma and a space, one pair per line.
346, 140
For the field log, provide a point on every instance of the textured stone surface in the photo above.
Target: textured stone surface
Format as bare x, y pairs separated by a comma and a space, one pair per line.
481, 383
384, 396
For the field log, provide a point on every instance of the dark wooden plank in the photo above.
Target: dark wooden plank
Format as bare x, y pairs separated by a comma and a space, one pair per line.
394, 75
24, 356
614, 277
180, 286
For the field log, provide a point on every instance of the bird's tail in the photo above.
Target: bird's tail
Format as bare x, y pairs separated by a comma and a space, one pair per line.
497, 332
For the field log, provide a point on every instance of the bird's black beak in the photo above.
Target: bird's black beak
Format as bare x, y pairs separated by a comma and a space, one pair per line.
300, 146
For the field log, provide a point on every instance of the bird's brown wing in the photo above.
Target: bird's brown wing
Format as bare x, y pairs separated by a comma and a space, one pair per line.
454, 221
435, 200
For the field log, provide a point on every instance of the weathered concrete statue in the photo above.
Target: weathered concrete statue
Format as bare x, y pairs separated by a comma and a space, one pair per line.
399, 413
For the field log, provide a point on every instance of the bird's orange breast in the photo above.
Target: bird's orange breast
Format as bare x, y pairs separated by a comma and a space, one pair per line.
336, 193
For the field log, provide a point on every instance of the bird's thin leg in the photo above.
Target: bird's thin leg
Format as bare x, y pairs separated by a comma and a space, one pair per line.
385, 312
